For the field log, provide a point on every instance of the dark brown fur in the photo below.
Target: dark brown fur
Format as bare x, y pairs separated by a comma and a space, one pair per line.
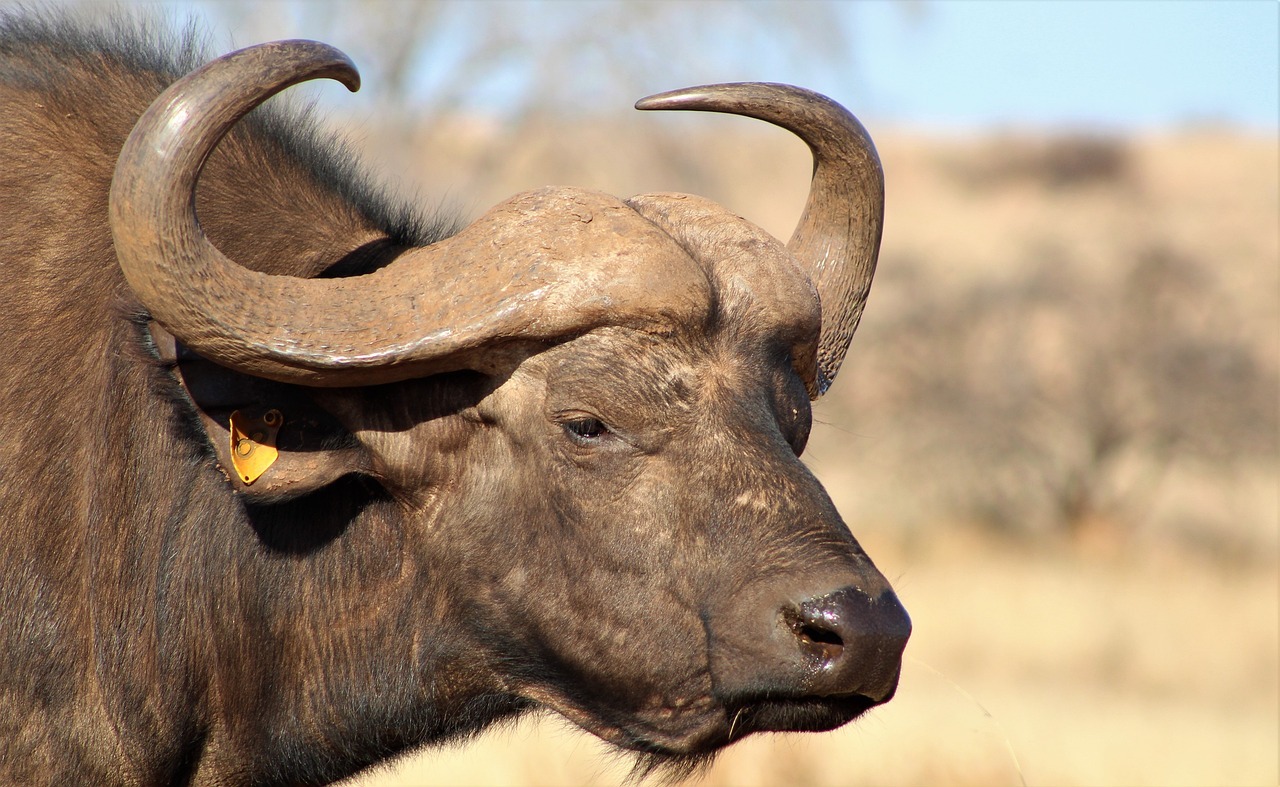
125, 553
156, 627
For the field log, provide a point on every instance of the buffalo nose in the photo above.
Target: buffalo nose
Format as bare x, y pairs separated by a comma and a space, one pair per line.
854, 639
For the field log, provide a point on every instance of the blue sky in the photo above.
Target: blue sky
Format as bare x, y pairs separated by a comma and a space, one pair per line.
1078, 62
945, 64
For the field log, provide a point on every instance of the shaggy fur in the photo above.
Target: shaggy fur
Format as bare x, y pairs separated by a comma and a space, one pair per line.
126, 554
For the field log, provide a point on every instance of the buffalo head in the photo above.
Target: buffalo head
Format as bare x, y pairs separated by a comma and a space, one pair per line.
587, 415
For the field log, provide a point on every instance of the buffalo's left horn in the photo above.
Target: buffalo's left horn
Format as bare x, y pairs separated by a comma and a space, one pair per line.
838, 237
538, 268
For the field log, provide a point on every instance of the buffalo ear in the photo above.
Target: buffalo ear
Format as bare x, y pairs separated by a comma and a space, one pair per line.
312, 449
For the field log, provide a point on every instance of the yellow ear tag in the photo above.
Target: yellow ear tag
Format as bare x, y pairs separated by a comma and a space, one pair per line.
253, 444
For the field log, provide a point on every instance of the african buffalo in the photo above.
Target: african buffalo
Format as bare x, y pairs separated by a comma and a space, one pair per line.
308, 481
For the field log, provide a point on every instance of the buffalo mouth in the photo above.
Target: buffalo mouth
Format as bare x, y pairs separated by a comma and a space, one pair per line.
797, 714
674, 757
698, 736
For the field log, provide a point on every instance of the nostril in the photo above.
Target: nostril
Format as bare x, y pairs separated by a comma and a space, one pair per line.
825, 643
819, 640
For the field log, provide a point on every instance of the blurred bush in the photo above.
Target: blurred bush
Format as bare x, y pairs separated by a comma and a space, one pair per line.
1075, 333
1055, 162
1051, 400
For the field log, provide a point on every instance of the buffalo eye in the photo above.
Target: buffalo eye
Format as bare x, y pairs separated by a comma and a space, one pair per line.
585, 430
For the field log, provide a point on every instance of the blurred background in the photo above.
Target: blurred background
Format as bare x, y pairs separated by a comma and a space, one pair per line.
1057, 430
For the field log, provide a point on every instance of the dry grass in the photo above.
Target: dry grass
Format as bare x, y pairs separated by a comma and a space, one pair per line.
1123, 652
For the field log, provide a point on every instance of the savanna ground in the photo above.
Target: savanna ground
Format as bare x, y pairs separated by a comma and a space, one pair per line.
1056, 433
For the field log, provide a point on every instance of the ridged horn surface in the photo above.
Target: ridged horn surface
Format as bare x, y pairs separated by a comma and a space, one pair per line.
838, 236
538, 268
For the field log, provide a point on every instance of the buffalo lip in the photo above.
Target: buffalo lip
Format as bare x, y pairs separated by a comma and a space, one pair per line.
798, 714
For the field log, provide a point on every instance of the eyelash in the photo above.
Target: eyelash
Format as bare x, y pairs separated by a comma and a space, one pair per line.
584, 430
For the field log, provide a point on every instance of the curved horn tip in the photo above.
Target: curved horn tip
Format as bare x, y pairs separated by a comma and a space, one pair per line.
732, 97
341, 68
350, 79
316, 60
691, 97
670, 99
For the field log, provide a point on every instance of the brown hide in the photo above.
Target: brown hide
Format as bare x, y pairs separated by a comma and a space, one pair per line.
612, 523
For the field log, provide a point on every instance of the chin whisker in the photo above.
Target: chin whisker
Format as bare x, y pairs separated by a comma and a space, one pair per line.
668, 769
734, 722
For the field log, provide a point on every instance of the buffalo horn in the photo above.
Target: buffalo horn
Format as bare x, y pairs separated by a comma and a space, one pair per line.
838, 236
538, 268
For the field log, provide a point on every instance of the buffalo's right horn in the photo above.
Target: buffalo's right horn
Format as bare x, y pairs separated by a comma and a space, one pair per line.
540, 267
838, 237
